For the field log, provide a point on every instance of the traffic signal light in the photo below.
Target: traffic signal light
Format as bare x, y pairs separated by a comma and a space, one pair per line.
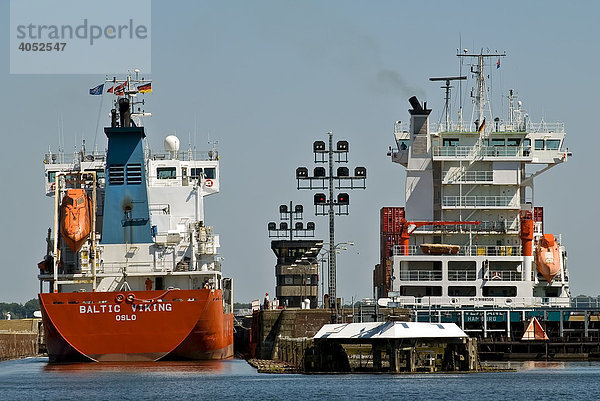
319, 172
343, 199
343, 172
301, 172
320, 199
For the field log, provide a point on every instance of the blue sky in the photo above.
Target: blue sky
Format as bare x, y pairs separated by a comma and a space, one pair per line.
267, 78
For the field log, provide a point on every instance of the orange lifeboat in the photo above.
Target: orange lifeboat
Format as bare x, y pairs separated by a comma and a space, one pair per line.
75, 218
548, 257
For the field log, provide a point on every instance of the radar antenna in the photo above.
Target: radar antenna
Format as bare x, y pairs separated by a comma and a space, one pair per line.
447, 99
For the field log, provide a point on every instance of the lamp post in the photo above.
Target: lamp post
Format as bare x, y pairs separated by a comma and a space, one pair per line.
327, 250
323, 180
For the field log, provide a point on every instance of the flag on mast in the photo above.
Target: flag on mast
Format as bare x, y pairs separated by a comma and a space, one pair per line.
97, 90
146, 88
120, 89
481, 127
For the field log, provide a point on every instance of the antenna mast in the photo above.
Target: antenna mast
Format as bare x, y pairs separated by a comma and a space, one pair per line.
478, 71
447, 98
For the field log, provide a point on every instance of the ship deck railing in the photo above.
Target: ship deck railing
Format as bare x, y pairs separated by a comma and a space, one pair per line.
480, 201
498, 226
471, 152
502, 127
467, 176
420, 275
503, 275
462, 275
186, 155
476, 303
166, 267
436, 275
475, 250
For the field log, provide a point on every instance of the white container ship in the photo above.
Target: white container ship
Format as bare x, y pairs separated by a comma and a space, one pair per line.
471, 234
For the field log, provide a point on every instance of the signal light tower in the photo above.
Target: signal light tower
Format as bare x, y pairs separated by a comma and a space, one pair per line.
322, 180
297, 268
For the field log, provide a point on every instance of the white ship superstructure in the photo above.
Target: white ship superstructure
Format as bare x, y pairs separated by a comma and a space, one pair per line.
163, 193
472, 234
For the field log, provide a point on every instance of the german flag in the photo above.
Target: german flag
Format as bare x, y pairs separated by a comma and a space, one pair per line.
481, 127
146, 88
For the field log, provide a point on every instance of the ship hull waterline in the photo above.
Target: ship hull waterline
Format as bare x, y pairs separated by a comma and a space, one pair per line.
137, 326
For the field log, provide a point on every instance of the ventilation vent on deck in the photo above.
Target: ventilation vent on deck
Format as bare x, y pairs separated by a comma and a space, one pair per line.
134, 173
116, 174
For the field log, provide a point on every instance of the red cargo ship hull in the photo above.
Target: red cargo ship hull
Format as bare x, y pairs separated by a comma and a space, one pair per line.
137, 325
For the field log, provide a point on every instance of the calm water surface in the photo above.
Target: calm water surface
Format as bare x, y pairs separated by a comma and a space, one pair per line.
35, 379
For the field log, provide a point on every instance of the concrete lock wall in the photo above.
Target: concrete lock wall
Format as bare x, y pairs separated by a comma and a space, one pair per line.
287, 323
18, 345
19, 338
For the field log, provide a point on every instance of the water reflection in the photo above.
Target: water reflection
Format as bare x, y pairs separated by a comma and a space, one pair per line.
167, 367
534, 365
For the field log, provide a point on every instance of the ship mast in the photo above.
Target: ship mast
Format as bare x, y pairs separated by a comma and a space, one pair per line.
478, 71
447, 98
128, 90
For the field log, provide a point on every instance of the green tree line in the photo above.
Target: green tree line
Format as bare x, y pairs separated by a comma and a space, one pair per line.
18, 311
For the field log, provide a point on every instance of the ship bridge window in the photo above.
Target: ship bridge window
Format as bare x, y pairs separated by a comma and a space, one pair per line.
99, 173
513, 142
166, 173
51, 176
450, 142
497, 141
134, 173
552, 144
539, 144
116, 174
196, 172
210, 172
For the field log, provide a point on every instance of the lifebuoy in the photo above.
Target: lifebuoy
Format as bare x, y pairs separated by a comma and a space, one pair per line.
130, 297
209, 183
119, 298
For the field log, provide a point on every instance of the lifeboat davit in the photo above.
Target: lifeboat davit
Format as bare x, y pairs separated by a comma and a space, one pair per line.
548, 257
75, 218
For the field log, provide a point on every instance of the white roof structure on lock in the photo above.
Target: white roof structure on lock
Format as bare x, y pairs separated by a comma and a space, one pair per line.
389, 330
